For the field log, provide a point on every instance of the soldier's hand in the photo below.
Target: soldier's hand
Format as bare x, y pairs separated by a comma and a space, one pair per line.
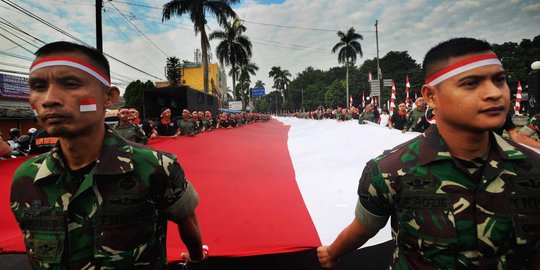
325, 258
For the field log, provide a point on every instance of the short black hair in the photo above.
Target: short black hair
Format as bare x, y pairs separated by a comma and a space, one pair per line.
97, 58
454, 47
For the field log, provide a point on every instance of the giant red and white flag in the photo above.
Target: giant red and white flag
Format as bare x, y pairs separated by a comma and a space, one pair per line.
265, 188
518, 98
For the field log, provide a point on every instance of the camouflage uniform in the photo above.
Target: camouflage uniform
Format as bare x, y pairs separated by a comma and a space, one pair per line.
367, 116
187, 127
416, 121
131, 132
114, 217
533, 126
451, 214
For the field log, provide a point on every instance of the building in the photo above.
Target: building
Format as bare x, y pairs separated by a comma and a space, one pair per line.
15, 112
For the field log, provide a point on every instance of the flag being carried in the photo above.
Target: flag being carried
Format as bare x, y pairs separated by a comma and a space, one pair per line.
369, 76
518, 98
363, 100
407, 86
393, 97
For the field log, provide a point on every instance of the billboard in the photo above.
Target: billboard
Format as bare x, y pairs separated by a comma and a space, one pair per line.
235, 105
14, 87
257, 92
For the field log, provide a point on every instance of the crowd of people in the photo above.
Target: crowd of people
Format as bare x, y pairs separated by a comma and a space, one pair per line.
133, 128
458, 197
408, 117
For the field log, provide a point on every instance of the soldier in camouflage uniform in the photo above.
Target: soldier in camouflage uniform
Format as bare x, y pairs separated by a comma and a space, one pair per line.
416, 119
128, 130
532, 127
186, 124
96, 201
459, 196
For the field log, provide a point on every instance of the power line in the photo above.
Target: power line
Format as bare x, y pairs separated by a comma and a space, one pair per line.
137, 5
17, 56
30, 14
300, 28
137, 28
15, 42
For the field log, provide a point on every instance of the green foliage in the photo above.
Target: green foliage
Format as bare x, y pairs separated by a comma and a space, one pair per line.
173, 70
517, 59
335, 95
234, 49
134, 93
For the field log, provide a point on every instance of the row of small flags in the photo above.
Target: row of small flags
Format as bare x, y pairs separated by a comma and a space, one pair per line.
408, 99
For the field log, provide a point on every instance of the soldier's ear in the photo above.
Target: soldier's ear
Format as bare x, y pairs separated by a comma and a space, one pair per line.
429, 93
112, 95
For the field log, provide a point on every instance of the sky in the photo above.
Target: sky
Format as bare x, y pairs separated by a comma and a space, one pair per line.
292, 34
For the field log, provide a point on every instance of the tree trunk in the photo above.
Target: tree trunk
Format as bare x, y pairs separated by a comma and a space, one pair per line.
347, 82
234, 81
204, 48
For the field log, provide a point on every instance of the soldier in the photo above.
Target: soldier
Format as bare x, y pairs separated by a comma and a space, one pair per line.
416, 118
459, 196
187, 124
367, 115
128, 130
96, 201
532, 127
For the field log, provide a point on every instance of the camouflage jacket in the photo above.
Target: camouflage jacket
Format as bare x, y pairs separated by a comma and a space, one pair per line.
416, 121
132, 133
113, 217
367, 116
445, 215
187, 127
533, 126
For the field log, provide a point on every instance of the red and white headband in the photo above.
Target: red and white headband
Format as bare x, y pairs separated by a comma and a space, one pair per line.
463, 66
71, 62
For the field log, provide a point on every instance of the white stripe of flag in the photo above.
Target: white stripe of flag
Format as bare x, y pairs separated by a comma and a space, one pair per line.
88, 105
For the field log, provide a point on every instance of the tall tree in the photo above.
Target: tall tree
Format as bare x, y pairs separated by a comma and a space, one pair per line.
234, 48
134, 93
281, 79
197, 10
246, 71
348, 47
173, 71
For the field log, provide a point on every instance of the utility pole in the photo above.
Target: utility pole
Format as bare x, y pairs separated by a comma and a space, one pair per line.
378, 68
99, 39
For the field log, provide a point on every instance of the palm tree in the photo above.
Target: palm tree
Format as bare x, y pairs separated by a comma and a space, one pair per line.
197, 10
348, 47
234, 48
281, 79
259, 83
234, 73
246, 70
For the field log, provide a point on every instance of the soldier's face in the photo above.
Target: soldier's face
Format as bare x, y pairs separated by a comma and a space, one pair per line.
56, 93
475, 100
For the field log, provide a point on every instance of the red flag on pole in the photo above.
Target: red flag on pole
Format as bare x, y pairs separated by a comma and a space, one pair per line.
350, 101
363, 101
518, 98
407, 86
369, 76
393, 97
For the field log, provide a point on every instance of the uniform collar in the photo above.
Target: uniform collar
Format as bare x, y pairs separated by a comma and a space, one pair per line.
433, 147
115, 158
